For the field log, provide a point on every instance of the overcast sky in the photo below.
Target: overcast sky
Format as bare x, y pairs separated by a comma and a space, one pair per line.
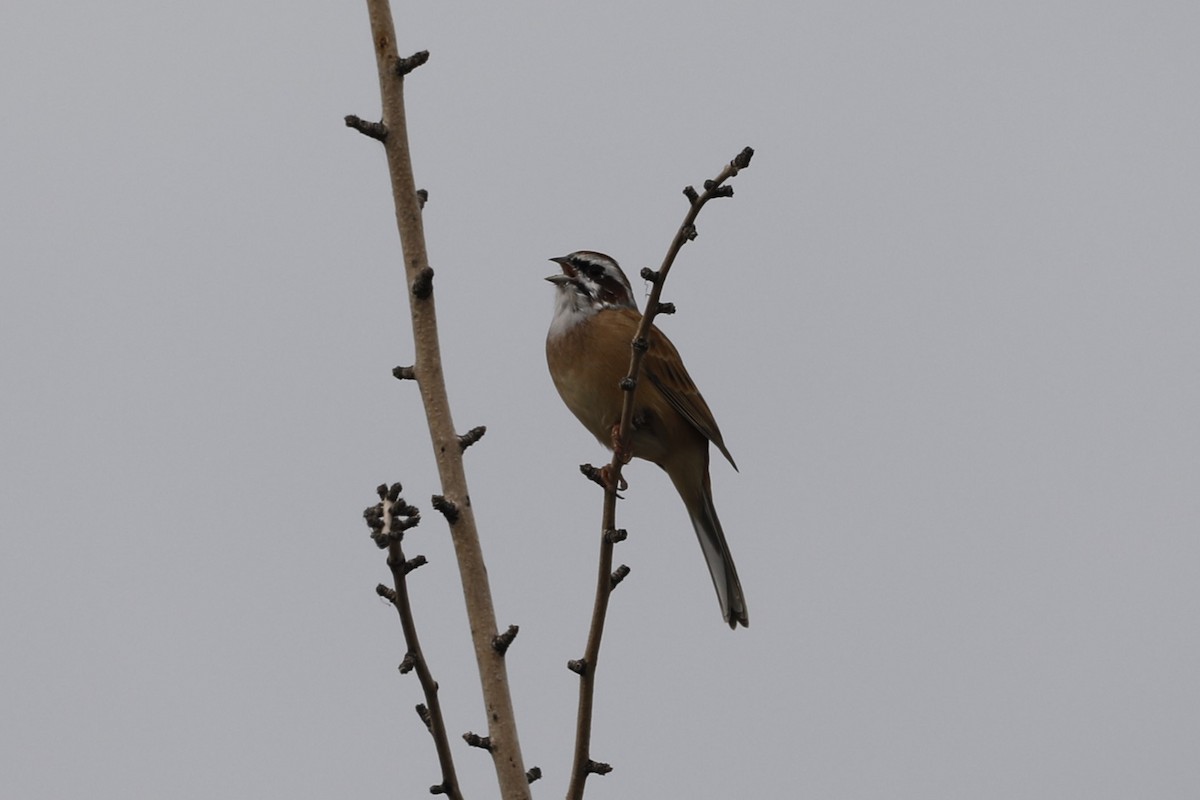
948, 326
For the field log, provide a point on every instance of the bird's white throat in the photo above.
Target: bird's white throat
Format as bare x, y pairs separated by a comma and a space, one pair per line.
570, 309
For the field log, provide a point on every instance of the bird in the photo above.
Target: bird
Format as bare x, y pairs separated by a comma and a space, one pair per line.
588, 351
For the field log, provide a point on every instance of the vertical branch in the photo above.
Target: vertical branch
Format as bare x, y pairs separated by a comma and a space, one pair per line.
454, 502
583, 765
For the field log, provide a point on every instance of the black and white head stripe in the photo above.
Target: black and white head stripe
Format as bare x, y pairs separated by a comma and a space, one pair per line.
599, 277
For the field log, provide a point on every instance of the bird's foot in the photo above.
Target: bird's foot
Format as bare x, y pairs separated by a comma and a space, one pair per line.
607, 476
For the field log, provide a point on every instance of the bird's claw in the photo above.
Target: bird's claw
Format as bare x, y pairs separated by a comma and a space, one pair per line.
607, 476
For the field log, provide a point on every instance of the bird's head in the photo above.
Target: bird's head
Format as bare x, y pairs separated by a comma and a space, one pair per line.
591, 282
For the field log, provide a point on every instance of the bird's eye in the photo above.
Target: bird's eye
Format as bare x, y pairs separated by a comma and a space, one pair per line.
589, 268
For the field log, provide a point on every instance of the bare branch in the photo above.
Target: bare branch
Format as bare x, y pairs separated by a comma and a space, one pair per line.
453, 500
388, 520
606, 579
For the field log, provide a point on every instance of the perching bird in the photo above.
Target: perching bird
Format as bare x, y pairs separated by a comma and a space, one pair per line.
588, 350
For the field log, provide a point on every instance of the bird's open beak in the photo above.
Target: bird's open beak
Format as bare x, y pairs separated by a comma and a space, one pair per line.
568, 272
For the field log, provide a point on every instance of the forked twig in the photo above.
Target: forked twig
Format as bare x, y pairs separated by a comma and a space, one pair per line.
606, 579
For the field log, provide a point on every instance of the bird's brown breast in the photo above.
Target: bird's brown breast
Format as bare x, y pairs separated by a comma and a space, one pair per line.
587, 363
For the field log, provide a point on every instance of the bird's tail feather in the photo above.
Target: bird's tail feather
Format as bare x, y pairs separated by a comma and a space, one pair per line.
720, 560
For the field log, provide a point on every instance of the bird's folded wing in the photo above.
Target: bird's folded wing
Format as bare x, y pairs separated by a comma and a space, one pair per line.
665, 370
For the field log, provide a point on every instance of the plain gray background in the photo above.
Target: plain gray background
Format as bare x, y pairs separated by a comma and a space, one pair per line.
947, 324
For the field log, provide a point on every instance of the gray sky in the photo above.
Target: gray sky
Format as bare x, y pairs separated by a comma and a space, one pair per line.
947, 324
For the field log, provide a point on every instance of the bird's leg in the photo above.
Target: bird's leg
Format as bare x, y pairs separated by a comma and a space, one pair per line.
619, 450
623, 456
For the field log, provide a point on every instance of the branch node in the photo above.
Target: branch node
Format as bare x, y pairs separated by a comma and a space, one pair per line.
404, 373
407, 65
374, 517
475, 740
381, 537
601, 477
422, 198
426, 717
533, 773
413, 563
577, 665
406, 666
628, 384
440, 788
412, 518
404, 518
618, 575
386, 592
593, 474
741, 160
690, 193
650, 275
641, 344
598, 767
471, 437
501, 641
376, 130
391, 517
689, 232
422, 285
616, 535
665, 308
447, 507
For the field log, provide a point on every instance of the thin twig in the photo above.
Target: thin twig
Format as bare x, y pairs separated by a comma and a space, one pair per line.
582, 764
388, 521
437, 725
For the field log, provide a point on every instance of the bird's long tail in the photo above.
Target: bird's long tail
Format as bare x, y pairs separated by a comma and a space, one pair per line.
716, 552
